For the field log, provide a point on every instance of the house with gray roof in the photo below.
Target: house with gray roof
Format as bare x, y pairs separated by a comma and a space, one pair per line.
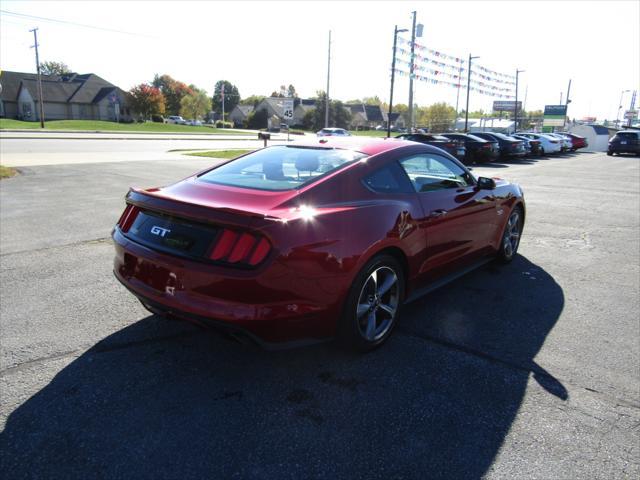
239, 115
366, 116
65, 97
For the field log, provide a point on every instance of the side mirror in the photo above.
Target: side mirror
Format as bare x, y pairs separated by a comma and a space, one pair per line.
485, 183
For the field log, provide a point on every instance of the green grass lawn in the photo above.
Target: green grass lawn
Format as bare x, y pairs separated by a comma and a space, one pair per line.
99, 126
220, 153
372, 133
6, 172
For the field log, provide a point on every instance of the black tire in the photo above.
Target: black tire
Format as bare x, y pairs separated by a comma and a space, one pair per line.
542, 151
609, 153
509, 243
352, 329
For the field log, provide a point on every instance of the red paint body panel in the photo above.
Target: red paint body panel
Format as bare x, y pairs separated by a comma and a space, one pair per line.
320, 235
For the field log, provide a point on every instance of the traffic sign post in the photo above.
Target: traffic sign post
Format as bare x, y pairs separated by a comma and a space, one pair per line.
287, 113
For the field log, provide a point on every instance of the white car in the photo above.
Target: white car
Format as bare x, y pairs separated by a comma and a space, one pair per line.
567, 144
194, 123
177, 119
547, 144
333, 132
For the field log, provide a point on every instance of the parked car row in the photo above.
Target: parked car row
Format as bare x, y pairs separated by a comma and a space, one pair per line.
482, 147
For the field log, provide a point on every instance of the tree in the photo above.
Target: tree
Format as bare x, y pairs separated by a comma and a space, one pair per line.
231, 96
281, 93
375, 100
146, 100
258, 120
173, 92
54, 68
253, 100
438, 117
291, 92
194, 105
339, 115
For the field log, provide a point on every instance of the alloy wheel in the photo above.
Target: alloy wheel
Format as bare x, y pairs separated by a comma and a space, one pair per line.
378, 303
511, 238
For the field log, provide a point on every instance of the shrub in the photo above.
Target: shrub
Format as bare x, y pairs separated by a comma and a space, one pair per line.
157, 118
221, 124
257, 119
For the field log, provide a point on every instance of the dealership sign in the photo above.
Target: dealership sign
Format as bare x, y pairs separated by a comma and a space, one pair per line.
506, 105
554, 115
631, 114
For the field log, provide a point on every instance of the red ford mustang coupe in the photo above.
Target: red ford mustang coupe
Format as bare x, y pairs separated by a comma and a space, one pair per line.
303, 242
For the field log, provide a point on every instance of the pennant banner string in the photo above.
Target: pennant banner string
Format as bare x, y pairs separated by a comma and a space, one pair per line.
419, 51
485, 90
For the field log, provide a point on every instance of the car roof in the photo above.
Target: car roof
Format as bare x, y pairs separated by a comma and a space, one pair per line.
368, 146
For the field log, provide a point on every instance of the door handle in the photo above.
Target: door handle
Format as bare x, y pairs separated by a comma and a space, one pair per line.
437, 213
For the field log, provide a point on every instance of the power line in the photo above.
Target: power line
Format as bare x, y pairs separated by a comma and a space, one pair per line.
66, 22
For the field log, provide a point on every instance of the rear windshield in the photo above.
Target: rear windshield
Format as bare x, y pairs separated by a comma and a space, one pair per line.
281, 167
502, 136
477, 139
627, 135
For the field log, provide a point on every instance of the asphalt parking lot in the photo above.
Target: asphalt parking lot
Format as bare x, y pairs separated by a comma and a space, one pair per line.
524, 371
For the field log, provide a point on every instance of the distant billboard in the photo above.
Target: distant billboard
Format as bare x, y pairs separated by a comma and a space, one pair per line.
506, 105
554, 115
631, 114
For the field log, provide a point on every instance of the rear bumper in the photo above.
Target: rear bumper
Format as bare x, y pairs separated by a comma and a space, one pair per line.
617, 148
265, 304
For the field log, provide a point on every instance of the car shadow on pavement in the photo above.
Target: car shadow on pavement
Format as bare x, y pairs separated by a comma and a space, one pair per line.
437, 401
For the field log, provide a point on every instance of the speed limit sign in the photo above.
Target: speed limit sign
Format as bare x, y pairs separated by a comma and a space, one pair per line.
287, 107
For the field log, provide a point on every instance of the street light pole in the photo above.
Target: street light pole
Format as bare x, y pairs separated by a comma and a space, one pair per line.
411, 68
393, 76
620, 107
466, 111
515, 106
568, 101
326, 106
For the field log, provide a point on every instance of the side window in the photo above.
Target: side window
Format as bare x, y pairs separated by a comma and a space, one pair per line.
388, 179
429, 172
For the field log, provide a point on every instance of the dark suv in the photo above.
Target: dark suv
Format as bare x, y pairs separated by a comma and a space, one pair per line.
625, 141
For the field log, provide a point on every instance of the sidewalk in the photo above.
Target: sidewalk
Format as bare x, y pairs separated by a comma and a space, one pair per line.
84, 135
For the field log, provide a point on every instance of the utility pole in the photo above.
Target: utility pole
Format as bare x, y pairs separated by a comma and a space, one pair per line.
40, 101
393, 76
411, 68
568, 101
326, 106
466, 112
515, 106
560, 103
222, 97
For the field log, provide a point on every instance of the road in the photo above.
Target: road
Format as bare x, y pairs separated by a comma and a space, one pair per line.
20, 150
523, 371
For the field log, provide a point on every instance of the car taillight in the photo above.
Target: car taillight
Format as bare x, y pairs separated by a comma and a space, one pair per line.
128, 217
240, 248
450, 145
486, 145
